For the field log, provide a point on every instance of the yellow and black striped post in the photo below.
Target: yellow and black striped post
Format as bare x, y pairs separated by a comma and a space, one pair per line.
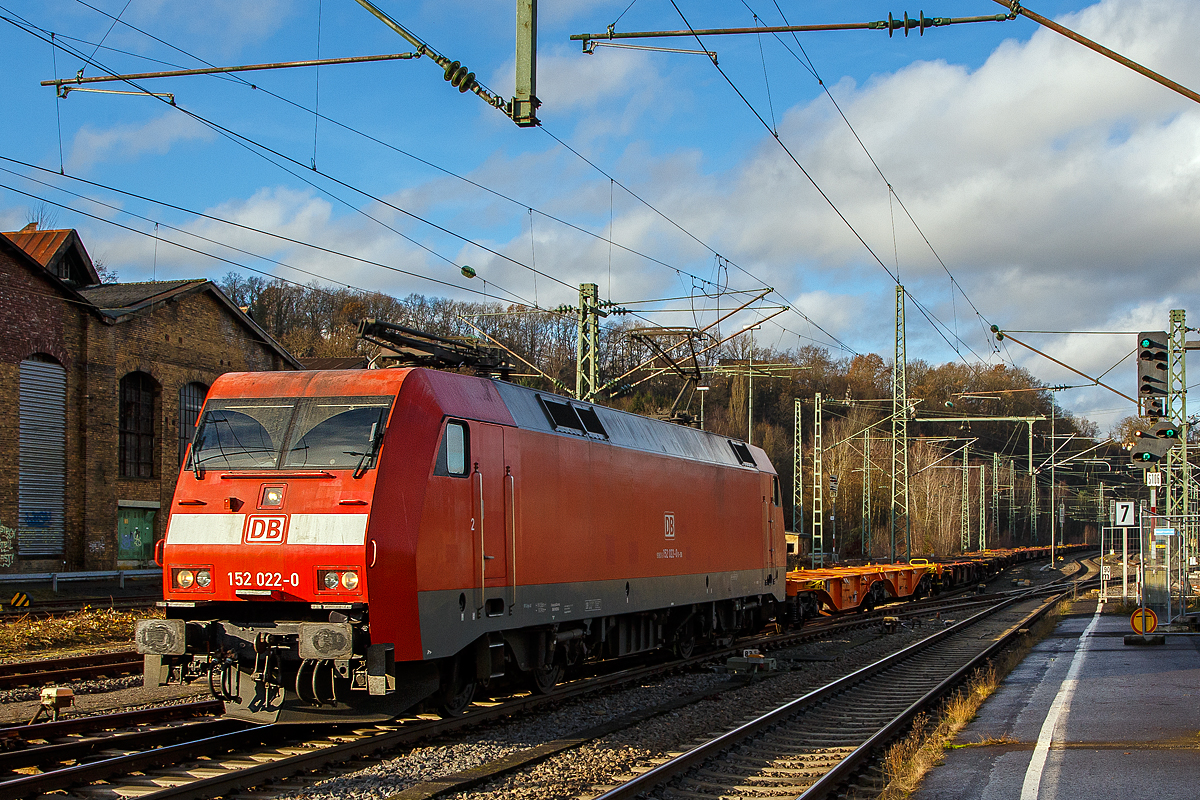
19, 600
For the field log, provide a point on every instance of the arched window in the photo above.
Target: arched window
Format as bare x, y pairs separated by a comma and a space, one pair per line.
136, 425
191, 398
42, 461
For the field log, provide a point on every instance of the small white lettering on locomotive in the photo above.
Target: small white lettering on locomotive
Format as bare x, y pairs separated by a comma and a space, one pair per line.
669, 525
670, 552
265, 530
591, 605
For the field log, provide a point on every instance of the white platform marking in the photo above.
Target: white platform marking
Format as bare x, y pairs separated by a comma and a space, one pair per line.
1059, 709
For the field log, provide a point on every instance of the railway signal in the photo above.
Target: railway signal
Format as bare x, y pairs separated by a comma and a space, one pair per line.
1152, 372
1152, 444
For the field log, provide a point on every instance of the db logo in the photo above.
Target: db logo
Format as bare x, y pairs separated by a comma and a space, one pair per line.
265, 530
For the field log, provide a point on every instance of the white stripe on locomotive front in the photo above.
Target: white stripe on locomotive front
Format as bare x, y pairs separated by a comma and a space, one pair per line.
307, 529
328, 529
205, 528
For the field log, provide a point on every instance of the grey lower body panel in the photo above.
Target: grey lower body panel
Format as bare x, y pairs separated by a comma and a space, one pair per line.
452, 619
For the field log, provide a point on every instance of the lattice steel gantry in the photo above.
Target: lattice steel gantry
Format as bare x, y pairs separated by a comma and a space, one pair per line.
589, 335
964, 517
797, 462
1177, 471
818, 504
900, 432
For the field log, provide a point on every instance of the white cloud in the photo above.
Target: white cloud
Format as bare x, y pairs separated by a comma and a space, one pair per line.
127, 142
1060, 190
219, 27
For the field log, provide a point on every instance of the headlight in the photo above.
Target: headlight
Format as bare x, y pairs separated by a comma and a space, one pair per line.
330, 580
350, 580
184, 579
203, 579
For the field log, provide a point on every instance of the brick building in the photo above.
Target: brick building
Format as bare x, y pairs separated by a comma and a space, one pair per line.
100, 386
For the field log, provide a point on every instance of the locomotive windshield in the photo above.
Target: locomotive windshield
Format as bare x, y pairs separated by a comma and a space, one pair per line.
290, 433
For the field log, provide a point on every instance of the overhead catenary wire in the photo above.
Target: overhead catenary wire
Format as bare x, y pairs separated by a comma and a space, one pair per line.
678, 271
610, 240
254, 269
213, 256
281, 237
389, 145
791, 156
700, 242
246, 228
806, 62
261, 150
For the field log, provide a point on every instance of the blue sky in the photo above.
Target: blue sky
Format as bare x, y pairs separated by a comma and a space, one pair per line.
1059, 189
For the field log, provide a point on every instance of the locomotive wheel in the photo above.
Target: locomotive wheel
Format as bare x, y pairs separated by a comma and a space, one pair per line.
685, 643
456, 705
544, 677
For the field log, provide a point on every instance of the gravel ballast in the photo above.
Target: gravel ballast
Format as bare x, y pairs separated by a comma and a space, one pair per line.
574, 772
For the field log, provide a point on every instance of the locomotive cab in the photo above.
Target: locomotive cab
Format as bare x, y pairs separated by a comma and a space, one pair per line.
266, 554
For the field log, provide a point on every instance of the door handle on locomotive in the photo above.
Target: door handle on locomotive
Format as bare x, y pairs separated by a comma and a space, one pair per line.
374, 553
159, 546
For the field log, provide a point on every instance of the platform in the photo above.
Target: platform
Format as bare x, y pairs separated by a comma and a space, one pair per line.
1084, 716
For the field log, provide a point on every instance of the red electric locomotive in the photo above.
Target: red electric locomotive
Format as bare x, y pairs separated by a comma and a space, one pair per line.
348, 545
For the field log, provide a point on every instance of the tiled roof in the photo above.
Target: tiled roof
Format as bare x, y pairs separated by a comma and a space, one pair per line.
128, 295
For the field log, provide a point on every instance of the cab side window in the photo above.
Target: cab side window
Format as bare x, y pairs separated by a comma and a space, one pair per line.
454, 454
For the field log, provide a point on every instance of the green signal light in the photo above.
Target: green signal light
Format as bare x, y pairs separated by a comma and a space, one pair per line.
1146, 342
1144, 456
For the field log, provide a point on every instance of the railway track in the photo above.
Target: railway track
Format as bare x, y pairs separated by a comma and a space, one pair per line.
201, 760
209, 758
824, 743
72, 668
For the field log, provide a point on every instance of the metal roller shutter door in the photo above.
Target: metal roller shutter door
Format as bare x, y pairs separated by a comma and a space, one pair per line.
42, 465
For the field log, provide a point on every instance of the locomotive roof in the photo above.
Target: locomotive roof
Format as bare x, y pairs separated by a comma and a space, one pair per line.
633, 431
503, 403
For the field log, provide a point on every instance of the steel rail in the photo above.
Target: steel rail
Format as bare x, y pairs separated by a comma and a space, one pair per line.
474, 776
77, 749
60, 779
705, 752
102, 722
65, 662
828, 782
30, 785
31, 673
698, 755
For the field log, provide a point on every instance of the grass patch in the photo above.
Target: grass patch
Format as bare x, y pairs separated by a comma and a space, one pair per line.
88, 627
908, 761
